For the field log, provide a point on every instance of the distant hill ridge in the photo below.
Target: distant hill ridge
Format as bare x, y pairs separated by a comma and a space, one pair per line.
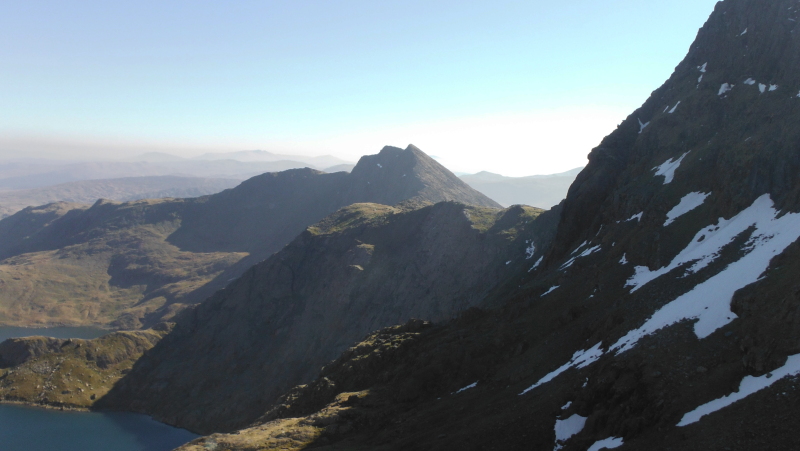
141, 261
120, 189
541, 191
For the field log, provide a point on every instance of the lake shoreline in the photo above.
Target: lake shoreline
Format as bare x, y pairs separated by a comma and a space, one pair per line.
48, 406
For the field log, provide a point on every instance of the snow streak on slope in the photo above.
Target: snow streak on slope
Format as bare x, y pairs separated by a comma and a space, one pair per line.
580, 359
536, 265
585, 253
708, 302
709, 242
748, 386
609, 443
468, 387
552, 289
668, 168
687, 204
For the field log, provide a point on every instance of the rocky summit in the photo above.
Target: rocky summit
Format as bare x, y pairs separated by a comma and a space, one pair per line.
656, 308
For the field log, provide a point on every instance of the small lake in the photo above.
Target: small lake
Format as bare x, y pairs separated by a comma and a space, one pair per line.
34, 429
25, 428
7, 332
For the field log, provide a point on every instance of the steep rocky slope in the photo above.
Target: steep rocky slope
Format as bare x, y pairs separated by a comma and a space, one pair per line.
664, 315
138, 262
366, 267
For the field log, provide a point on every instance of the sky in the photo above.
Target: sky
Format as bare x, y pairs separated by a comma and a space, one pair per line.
512, 87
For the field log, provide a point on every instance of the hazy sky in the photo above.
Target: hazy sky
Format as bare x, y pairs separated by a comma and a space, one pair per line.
514, 87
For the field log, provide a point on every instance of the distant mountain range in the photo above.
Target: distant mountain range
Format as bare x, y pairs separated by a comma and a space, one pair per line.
541, 191
319, 162
121, 189
128, 263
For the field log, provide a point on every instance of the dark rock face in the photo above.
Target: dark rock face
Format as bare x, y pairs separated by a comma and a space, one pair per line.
366, 267
742, 143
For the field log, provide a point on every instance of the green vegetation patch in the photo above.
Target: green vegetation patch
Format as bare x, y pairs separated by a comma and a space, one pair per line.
69, 373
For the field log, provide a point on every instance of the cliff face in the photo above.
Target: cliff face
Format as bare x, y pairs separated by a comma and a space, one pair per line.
136, 263
666, 313
366, 267
729, 107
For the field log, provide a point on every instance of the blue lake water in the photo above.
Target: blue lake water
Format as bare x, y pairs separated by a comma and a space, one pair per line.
7, 332
36, 429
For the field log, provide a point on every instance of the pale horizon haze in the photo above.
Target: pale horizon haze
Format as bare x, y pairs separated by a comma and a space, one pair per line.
512, 87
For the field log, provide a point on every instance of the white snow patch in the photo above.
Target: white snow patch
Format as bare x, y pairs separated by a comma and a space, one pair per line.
552, 289
726, 87
702, 68
748, 386
508, 262
473, 385
750, 82
773, 88
743, 33
565, 429
676, 105
709, 302
762, 87
687, 204
609, 443
379, 165
700, 78
637, 217
580, 359
530, 250
585, 253
642, 126
667, 107
566, 406
536, 265
668, 168
624, 259
579, 247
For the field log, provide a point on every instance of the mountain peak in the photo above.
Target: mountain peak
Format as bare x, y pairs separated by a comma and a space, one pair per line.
409, 175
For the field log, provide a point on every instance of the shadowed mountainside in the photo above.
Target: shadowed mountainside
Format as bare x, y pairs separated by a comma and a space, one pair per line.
363, 268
